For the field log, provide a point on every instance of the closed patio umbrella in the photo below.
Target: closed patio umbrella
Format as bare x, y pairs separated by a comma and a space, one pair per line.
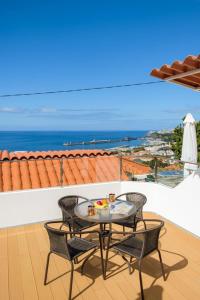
189, 147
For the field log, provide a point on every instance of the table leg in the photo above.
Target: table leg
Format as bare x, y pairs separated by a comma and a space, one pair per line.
102, 246
102, 257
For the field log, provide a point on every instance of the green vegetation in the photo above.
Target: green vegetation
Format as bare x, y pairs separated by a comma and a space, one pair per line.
150, 178
152, 163
164, 136
177, 140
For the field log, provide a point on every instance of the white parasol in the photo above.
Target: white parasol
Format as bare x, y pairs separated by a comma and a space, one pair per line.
189, 147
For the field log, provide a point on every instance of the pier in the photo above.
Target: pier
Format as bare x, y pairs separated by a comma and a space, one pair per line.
107, 141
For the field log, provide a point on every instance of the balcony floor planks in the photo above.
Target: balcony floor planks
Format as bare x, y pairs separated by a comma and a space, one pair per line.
23, 253
14, 266
4, 280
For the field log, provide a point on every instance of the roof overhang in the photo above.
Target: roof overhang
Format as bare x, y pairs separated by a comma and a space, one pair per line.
186, 72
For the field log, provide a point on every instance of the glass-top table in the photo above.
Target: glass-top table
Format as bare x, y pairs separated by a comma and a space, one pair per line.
115, 211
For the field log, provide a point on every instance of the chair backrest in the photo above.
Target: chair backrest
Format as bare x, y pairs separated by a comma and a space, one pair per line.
138, 199
58, 240
151, 235
67, 205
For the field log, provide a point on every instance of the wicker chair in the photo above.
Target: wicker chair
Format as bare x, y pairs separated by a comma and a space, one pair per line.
70, 248
138, 245
67, 205
139, 200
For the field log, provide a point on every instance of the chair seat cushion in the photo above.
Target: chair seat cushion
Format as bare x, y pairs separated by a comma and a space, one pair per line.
78, 246
131, 246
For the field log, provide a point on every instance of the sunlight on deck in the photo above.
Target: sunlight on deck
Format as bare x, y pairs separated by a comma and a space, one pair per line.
23, 252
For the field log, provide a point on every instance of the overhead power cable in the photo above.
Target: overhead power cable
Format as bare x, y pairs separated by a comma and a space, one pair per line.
80, 89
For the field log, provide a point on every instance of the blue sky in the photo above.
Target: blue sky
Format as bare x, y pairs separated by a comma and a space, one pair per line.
52, 45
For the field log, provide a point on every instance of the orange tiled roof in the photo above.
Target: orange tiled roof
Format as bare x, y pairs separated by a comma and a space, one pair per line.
135, 167
29, 170
186, 72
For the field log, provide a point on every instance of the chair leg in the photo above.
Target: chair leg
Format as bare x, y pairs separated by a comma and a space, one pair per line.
106, 261
123, 230
140, 278
161, 263
145, 226
61, 226
71, 281
128, 263
47, 267
86, 259
71, 229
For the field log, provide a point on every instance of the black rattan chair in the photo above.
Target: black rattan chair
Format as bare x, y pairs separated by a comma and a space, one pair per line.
67, 205
138, 245
70, 248
139, 200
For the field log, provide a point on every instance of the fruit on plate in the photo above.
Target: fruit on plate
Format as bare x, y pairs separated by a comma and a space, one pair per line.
101, 203
105, 202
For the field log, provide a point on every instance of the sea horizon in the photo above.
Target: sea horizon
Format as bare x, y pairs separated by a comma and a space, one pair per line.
62, 130
44, 140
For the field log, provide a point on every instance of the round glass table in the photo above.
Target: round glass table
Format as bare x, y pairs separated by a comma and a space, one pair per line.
115, 211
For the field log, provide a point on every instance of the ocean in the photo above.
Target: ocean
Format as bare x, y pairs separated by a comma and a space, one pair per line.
54, 140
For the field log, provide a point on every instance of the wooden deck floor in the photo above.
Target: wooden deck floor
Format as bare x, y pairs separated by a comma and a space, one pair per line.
23, 252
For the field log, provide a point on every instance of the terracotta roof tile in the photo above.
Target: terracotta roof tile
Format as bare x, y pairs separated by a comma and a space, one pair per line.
69, 176
6, 176
25, 175
31, 170
52, 176
5, 155
16, 178
138, 168
82, 164
95, 172
99, 170
34, 175
186, 72
43, 175
56, 165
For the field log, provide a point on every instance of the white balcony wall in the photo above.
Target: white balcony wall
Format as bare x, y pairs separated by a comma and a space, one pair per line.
181, 204
37, 205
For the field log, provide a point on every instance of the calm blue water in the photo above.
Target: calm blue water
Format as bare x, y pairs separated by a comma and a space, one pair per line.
53, 140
